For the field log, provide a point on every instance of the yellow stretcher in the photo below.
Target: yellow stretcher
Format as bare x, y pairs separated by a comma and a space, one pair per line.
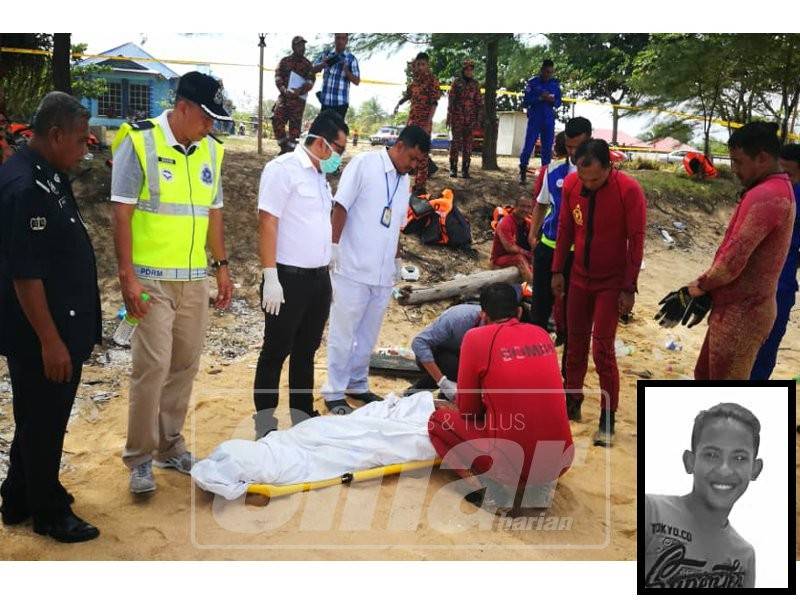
273, 491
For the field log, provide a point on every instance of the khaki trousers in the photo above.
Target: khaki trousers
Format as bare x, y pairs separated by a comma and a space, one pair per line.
166, 350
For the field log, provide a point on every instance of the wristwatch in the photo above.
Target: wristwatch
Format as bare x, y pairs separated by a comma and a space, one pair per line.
219, 263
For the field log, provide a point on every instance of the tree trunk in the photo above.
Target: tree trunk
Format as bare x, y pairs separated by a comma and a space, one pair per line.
707, 139
61, 58
490, 105
614, 126
463, 286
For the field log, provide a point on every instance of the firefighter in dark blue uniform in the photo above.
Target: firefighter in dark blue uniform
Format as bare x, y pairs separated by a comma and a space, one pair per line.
49, 313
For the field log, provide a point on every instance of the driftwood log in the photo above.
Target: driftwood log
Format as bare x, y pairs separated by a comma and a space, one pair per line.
462, 286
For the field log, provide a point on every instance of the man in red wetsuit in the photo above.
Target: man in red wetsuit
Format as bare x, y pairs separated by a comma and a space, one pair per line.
511, 247
743, 278
509, 409
603, 214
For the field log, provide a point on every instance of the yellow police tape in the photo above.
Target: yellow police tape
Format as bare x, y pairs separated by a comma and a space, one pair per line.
500, 92
273, 491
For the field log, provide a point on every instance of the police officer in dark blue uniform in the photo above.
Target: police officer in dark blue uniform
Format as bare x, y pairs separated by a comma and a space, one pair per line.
49, 313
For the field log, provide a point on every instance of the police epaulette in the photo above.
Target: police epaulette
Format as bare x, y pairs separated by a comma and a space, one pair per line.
142, 125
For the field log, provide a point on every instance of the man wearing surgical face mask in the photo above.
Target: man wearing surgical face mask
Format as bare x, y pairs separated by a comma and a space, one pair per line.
294, 202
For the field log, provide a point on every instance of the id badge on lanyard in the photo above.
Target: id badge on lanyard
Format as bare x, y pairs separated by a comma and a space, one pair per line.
386, 216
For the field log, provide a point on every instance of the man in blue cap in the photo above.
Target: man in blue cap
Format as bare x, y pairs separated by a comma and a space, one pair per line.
166, 186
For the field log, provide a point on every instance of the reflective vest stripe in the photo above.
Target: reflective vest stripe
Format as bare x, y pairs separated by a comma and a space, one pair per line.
166, 273
212, 150
169, 208
548, 242
151, 160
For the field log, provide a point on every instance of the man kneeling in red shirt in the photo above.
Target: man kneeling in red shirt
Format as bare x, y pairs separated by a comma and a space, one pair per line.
509, 421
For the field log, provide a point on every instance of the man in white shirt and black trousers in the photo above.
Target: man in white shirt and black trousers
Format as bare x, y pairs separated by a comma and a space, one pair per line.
294, 201
370, 208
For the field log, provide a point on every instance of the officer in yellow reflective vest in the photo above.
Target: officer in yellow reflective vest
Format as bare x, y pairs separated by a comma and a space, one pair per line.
167, 193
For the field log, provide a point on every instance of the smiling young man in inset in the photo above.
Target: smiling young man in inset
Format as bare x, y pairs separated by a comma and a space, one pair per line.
689, 542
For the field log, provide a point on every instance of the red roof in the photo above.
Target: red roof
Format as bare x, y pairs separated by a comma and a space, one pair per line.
623, 139
670, 144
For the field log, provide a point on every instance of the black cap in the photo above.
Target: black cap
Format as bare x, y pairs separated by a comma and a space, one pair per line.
205, 91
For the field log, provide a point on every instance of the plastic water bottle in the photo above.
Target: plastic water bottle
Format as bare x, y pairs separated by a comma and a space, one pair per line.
124, 332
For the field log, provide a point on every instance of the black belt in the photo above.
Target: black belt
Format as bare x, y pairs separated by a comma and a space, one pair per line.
301, 270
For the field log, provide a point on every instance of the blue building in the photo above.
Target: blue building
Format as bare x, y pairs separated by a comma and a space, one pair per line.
136, 89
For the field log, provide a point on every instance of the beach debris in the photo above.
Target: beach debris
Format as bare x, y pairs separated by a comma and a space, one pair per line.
102, 396
623, 349
667, 237
410, 273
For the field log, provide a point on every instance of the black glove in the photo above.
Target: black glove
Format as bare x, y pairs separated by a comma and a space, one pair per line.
673, 307
697, 310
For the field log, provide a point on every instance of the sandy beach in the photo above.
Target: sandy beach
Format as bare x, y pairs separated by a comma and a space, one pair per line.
408, 517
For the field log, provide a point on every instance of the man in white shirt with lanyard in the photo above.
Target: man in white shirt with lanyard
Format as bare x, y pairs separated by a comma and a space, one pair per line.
294, 202
370, 208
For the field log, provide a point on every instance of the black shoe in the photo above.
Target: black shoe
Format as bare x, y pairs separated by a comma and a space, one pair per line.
523, 174
604, 436
366, 397
574, 408
14, 516
560, 339
338, 407
432, 167
301, 416
465, 173
453, 172
69, 529
265, 423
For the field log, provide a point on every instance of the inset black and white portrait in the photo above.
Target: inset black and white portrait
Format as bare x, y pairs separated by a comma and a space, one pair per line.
716, 486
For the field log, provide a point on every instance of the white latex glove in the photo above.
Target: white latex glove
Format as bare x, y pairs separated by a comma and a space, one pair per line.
398, 270
272, 294
334, 266
448, 388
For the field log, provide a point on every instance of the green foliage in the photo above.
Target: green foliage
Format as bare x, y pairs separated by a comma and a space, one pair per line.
644, 164
24, 78
367, 118
678, 189
400, 118
87, 80
774, 74
598, 66
718, 147
687, 70
683, 131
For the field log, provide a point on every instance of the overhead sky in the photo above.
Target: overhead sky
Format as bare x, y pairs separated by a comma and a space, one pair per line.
241, 82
